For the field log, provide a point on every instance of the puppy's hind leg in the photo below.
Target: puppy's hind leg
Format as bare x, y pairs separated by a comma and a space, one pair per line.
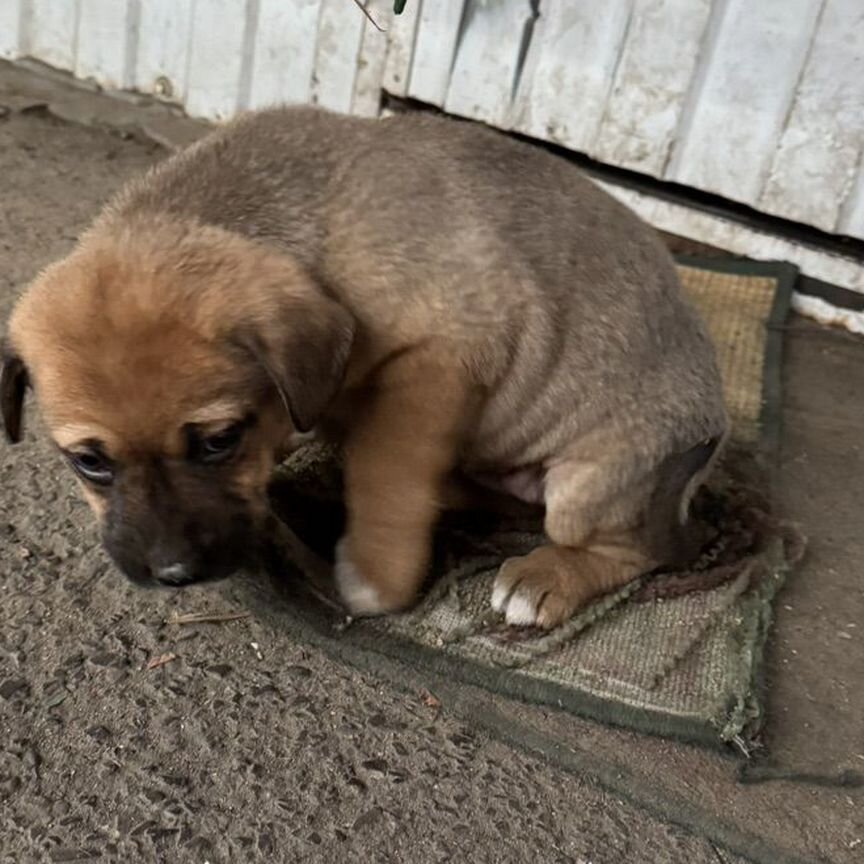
600, 541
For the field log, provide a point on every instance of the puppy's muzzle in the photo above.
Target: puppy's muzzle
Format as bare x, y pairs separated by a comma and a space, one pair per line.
206, 565
177, 553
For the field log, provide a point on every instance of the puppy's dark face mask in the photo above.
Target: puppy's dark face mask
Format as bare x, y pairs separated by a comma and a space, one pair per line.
170, 377
188, 512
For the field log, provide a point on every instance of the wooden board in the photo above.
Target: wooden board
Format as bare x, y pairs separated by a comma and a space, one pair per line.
740, 239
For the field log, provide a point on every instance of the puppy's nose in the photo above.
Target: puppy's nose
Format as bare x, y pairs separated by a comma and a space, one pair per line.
172, 574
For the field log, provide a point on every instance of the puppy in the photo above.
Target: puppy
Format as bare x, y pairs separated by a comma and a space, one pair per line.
442, 300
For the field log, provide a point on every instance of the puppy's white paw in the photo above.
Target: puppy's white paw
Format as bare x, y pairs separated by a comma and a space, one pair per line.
541, 589
500, 594
359, 596
520, 608
522, 611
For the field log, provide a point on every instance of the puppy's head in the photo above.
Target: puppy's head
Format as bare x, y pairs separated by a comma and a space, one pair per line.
170, 363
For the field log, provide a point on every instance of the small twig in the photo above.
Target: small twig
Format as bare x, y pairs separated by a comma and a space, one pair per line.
362, 7
161, 660
316, 573
291, 548
323, 597
429, 699
205, 617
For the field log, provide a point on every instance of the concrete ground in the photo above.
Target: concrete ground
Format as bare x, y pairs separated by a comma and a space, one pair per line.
250, 747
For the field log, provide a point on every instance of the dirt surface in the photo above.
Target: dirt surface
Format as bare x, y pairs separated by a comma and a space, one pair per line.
248, 746
229, 752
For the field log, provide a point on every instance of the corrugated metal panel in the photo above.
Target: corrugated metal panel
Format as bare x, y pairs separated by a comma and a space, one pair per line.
643, 110
52, 34
486, 65
762, 103
217, 57
814, 165
570, 71
284, 60
161, 63
372, 60
401, 34
12, 39
107, 41
741, 95
434, 47
852, 213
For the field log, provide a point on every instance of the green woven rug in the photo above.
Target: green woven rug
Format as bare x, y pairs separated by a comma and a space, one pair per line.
675, 653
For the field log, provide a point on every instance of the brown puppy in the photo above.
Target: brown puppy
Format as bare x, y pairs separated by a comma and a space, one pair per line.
434, 294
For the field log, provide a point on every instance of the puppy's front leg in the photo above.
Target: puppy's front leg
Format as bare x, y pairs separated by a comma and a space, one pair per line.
398, 454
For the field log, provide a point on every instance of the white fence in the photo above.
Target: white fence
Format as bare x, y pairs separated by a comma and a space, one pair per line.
761, 102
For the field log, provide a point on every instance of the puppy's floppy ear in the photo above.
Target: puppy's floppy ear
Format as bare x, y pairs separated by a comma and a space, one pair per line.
305, 351
13, 383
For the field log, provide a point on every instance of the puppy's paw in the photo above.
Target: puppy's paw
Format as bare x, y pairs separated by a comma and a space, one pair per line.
538, 590
358, 594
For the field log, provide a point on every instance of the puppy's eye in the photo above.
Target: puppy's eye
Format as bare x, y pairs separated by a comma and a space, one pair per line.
220, 446
92, 465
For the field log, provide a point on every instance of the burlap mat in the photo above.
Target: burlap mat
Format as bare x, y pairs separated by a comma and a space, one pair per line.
671, 653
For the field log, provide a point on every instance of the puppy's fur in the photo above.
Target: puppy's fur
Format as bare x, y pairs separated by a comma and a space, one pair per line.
433, 294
